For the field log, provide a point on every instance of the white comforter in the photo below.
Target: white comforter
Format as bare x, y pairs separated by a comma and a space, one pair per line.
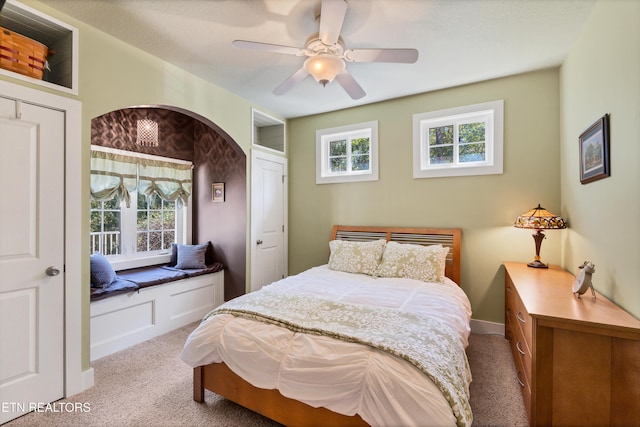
348, 378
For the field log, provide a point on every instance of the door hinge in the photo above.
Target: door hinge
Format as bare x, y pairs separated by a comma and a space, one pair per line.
283, 179
283, 228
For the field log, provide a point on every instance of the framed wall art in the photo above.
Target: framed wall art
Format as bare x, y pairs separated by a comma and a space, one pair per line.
594, 151
217, 192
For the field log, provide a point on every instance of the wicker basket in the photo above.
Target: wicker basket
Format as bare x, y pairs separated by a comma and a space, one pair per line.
21, 54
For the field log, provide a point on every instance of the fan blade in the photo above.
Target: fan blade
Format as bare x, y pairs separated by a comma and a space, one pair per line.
408, 56
350, 85
268, 47
332, 14
295, 78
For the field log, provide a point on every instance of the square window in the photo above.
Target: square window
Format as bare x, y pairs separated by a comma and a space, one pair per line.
347, 153
459, 141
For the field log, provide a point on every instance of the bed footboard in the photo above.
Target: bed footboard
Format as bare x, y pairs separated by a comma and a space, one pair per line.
218, 378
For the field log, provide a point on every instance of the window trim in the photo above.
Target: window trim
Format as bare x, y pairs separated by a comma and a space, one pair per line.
493, 141
323, 175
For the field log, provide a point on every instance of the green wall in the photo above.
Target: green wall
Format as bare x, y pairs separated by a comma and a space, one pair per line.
602, 75
483, 206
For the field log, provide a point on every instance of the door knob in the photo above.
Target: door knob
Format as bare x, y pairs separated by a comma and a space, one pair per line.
52, 271
259, 242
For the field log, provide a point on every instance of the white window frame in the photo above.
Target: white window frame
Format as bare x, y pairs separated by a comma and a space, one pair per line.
492, 113
324, 175
129, 257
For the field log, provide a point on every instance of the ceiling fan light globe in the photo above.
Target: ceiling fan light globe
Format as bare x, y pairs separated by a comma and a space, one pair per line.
324, 67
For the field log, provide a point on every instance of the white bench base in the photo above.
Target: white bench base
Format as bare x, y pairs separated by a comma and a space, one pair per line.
124, 320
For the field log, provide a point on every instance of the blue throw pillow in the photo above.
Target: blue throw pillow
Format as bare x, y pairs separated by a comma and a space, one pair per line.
191, 256
102, 273
209, 258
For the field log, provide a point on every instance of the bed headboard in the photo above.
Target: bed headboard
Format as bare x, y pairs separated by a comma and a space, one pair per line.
450, 237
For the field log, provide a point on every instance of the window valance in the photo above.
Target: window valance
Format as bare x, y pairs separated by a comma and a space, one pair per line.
169, 181
117, 175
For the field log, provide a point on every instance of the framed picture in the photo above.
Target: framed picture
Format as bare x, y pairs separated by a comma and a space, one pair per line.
217, 192
594, 151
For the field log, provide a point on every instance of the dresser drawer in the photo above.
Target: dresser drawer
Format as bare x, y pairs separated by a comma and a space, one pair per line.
519, 347
522, 378
520, 316
522, 351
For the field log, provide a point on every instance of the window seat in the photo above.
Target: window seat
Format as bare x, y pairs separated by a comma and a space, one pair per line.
145, 302
139, 278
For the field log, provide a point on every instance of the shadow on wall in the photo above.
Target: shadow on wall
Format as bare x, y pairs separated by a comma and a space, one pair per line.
216, 157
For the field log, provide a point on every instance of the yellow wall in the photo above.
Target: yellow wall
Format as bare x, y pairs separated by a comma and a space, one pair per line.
483, 206
602, 75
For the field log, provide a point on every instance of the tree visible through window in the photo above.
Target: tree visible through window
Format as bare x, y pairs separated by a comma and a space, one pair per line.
105, 227
347, 155
156, 224
470, 145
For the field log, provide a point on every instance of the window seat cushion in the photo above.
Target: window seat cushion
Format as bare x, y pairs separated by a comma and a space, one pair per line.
151, 275
144, 277
118, 286
212, 268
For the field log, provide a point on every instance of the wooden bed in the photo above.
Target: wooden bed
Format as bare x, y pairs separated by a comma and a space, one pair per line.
218, 378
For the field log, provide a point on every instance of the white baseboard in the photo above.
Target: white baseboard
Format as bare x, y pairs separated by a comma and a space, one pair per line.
485, 327
87, 379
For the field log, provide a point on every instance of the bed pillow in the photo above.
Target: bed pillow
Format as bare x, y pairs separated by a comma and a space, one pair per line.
425, 263
102, 273
356, 257
191, 256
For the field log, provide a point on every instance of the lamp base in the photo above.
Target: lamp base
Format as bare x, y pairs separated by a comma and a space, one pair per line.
538, 264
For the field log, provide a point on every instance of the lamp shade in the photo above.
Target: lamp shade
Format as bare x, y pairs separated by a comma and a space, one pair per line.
539, 219
324, 67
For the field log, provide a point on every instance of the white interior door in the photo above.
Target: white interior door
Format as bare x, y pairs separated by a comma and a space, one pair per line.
31, 256
268, 219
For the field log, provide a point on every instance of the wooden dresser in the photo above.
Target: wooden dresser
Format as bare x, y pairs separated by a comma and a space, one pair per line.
577, 360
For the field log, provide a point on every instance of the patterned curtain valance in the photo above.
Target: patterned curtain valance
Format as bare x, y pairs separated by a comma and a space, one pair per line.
169, 181
117, 175
113, 176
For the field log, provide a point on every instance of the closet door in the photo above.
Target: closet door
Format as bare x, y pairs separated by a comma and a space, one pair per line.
32, 141
268, 219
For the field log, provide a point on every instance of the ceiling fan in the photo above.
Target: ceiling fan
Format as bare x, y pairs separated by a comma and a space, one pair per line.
326, 54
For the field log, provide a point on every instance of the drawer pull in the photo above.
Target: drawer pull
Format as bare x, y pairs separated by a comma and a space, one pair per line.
519, 349
519, 380
520, 318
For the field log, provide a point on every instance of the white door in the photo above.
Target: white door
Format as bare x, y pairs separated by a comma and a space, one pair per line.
268, 219
31, 256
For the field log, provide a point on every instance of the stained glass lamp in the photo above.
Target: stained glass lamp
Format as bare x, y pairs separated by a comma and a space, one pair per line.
539, 219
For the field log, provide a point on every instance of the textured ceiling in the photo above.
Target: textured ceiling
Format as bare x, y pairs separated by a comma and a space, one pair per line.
459, 42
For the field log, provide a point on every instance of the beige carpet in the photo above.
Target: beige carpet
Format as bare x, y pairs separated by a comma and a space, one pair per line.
148, 385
